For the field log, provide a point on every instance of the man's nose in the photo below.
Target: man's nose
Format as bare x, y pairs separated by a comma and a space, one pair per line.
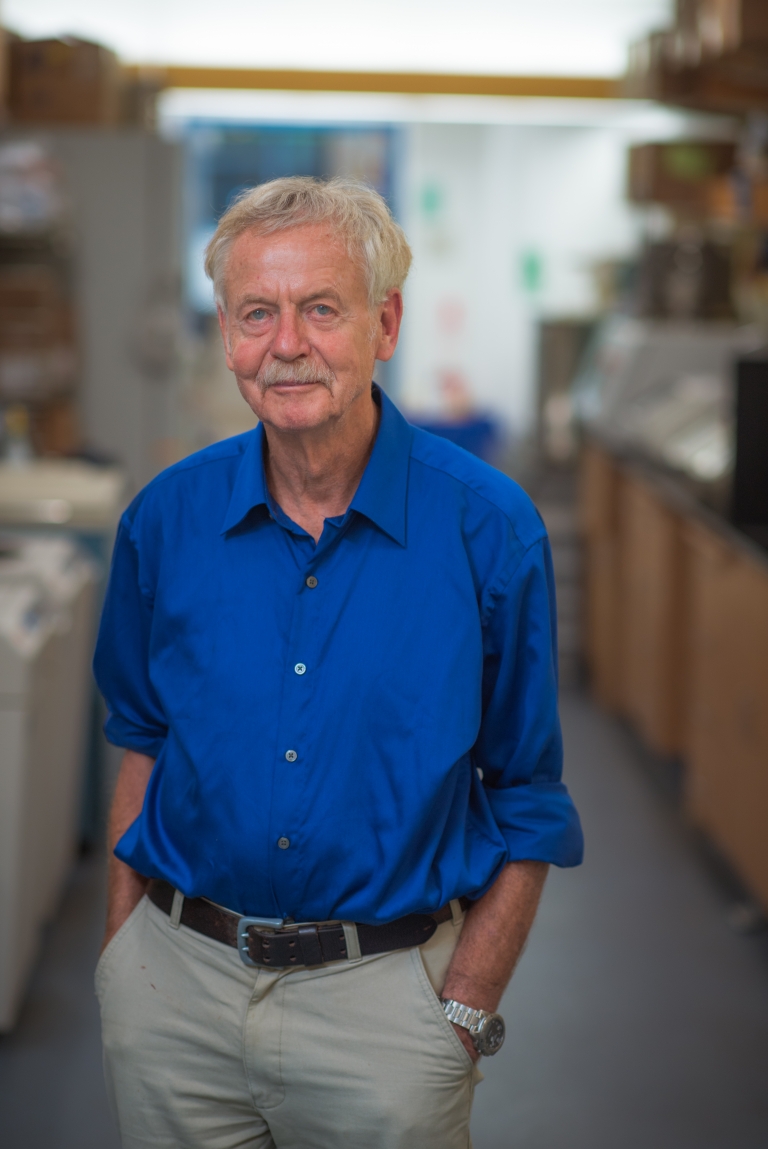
289, 341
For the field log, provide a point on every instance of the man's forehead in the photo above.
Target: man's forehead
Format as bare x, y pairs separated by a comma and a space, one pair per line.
309, 257
310, 243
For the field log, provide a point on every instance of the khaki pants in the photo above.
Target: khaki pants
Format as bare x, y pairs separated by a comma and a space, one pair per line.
201, 1051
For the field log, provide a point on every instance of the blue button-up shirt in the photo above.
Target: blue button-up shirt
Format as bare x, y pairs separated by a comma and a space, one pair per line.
358, 729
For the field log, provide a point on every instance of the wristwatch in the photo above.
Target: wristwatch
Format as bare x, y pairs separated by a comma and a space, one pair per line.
486, 1029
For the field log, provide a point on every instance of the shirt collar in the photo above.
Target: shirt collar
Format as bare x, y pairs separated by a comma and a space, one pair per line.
381, 495
250, 489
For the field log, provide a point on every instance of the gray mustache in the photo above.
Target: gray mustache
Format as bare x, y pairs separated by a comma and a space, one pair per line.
302, 371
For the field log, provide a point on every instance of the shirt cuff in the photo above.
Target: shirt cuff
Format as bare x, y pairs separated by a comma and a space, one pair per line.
539, 823
131, 737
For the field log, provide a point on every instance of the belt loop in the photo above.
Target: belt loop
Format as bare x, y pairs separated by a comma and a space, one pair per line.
352, 942
457, 912
178, 902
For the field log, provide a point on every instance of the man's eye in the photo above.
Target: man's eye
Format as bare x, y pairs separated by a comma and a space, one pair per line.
323, 309
257, 314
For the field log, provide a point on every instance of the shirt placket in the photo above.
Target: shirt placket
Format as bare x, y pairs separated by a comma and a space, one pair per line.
294, 743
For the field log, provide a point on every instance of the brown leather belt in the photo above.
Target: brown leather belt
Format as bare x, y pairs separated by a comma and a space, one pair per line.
311, 943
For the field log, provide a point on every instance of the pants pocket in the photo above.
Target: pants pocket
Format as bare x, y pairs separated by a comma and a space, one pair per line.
442, 1024
106, 958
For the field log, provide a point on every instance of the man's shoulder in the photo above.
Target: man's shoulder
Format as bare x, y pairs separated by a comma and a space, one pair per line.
487, 487
219, 461
221, 454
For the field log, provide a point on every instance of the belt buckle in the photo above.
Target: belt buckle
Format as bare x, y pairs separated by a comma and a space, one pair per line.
243, 925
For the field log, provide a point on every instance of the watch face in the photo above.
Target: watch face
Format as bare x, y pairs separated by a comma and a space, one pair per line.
491, 1037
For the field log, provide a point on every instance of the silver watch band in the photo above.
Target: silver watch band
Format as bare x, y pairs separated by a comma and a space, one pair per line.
463, 1015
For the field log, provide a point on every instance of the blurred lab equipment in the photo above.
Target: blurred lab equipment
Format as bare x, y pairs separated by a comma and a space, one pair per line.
17, 448
31, 200
561, 346
47, 593
684, 278
71, 493
77, 500
666, 389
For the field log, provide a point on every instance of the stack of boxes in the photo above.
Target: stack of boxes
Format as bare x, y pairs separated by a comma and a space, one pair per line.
704, 180
63, 81
713, 57
716, 195
49, 84
71, 81
685, 175
38, 337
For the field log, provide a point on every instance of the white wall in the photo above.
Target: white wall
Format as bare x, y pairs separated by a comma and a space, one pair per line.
475, 201
515, 176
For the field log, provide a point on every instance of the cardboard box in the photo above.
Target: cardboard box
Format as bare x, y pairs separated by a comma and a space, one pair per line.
138, 98
55, 427
678, 174
732, 26
5, 39
648, 57
35, 313
65, 81
687, 15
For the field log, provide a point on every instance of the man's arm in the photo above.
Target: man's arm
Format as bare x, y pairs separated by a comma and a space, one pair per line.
126, 887
494, 933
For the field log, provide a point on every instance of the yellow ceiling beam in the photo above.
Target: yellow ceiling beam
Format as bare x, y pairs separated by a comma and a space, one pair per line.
401, 83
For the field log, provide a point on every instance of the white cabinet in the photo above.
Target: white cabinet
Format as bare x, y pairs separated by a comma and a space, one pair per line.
46, 633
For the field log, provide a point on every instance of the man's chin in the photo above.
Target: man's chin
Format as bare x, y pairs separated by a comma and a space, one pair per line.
302, 409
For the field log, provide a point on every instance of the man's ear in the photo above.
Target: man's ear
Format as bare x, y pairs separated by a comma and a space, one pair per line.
224, 329
389, 319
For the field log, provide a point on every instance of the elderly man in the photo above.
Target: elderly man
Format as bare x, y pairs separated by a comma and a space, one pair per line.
328, 649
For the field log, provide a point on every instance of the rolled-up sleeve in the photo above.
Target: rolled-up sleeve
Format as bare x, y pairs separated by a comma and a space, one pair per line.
520, 749
121, 662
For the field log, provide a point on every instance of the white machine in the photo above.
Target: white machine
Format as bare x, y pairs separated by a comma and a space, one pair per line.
47, 589
62, 493
667, 388
73, 498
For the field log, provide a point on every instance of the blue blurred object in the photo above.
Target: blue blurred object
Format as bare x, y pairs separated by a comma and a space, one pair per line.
479, 435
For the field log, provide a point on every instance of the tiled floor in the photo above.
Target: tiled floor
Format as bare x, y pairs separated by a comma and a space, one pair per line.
637, 1019
51, 1086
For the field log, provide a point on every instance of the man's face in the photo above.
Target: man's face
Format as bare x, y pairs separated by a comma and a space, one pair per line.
298, 331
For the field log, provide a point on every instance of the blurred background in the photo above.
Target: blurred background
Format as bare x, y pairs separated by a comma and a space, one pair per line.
585, 187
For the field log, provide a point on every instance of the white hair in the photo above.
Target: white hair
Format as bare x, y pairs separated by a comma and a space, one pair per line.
359, 214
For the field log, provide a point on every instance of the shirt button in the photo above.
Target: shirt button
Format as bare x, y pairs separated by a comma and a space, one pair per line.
300, 668
283, 843
311, 582
291, 755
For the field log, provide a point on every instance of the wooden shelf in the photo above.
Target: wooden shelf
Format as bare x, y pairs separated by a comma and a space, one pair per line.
677, 626
402, 83
733, 82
